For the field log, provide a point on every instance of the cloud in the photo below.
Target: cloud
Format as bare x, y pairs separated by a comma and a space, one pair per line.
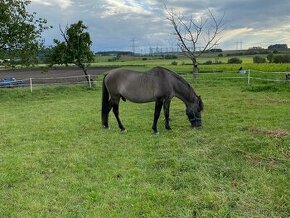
235, 33
113, 23
64, 4
124, 7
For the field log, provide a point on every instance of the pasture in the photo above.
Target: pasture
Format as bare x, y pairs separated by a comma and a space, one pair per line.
57, 161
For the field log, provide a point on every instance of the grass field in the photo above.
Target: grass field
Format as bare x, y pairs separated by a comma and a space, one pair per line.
57, 161
184, 64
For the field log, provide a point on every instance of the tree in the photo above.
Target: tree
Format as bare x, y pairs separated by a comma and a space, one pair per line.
75, 49
20, 31
195, 35
270, 57
278, 47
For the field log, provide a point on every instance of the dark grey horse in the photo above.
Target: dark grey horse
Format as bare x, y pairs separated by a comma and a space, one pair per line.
158, 84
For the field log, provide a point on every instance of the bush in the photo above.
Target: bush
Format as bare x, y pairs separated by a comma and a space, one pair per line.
113, 59
258, 59
281, 59
234, 61
174, 63
170, 56
208, 62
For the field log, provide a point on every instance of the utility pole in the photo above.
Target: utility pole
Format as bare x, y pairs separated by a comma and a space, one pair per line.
239, 45
150, 51
133, 46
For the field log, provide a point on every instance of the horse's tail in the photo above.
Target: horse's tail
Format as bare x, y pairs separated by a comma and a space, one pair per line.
105, 104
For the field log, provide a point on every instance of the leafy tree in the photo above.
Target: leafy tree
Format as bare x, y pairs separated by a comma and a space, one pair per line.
270, 57
75, 49
20, 31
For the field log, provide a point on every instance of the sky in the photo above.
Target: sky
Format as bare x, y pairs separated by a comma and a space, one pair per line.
142, 24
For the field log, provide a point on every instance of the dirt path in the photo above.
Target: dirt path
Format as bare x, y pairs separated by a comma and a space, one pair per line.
41, 75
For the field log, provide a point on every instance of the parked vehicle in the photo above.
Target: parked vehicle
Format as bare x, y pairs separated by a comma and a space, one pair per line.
10, 82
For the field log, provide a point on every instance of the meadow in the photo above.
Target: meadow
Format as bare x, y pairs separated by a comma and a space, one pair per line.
184, 64
57, 160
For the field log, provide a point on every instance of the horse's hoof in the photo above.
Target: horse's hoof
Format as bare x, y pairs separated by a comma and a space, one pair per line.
106, 127
123, 130
197, 127
168, 128
156, 133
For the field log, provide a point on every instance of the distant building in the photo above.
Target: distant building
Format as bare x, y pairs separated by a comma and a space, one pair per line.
278, 47
255, 48
215, 50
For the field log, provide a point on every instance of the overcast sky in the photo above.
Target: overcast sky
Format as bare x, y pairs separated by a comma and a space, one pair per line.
113, 24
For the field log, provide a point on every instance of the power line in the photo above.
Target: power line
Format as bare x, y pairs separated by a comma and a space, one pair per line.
239, 45
133, 45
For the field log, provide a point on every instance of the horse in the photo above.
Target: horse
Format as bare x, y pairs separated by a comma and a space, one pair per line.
158, 84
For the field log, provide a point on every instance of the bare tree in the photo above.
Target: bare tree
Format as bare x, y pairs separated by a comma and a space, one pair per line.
195, 35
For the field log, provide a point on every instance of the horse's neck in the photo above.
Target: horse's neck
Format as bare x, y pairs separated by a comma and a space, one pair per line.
184, 92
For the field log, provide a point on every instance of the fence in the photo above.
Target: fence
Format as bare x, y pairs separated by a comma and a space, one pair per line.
91, 80
248, 75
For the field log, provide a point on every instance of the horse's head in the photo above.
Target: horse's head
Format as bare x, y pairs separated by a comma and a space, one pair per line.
193, 111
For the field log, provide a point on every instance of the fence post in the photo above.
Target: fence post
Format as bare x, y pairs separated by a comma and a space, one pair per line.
30, 81
249, 77
90, 83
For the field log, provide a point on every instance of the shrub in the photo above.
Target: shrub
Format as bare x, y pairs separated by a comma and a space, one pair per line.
170, 56
259, 59
208, 62
281, 59
113, 59
234, 61
174, 63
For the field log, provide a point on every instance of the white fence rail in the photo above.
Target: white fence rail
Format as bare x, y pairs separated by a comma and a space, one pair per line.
49, 81
248, 76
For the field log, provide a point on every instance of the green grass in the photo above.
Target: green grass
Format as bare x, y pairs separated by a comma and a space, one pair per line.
184, 64
57, 161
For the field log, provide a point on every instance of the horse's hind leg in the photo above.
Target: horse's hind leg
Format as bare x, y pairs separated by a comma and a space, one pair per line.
116, 113
105, 116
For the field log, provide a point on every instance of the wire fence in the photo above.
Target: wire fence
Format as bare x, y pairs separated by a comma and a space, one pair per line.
248, 77
32, 83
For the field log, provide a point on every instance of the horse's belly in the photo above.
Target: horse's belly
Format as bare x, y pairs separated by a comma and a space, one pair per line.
138, 92
139, 97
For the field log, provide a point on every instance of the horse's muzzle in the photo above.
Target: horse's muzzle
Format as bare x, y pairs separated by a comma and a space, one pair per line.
196, 121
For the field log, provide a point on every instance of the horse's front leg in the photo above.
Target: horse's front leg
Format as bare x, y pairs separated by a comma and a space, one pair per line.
166, 108
158, 107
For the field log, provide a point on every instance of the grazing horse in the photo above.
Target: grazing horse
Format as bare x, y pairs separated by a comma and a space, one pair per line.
158, 84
